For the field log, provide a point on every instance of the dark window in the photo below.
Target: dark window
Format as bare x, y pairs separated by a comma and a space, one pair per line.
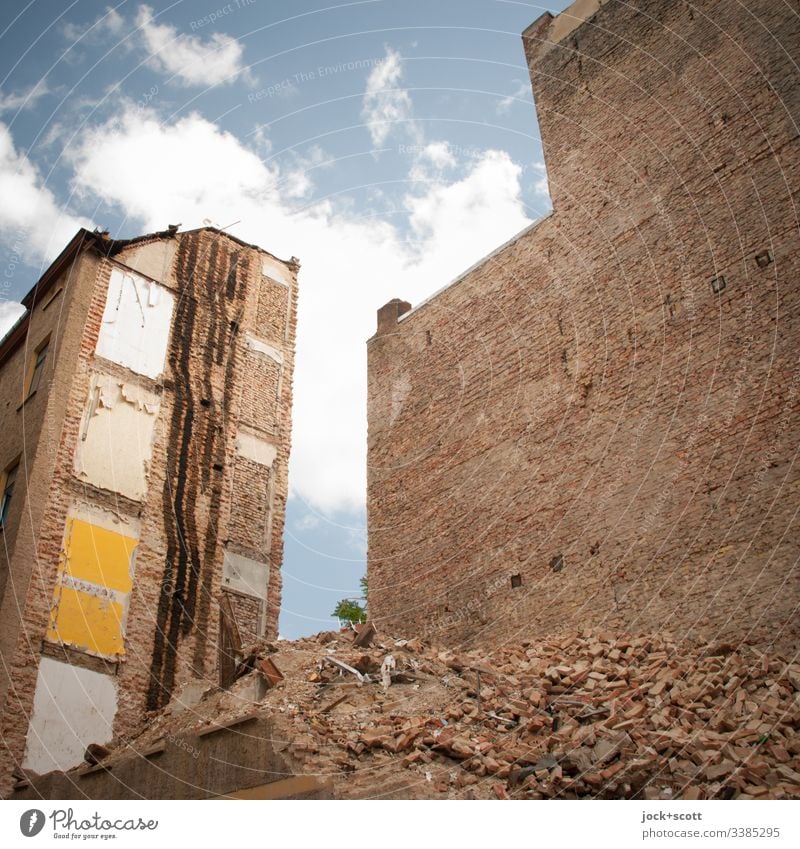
10, 478
718, 284
38, 367
764, 259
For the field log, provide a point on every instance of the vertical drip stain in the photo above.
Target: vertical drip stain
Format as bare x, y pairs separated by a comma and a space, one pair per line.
212, 283
226, 353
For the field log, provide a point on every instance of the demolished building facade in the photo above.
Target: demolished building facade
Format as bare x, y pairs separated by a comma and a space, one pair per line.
145, 444
597, 425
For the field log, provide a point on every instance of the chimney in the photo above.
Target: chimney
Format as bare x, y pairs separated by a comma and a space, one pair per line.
389, 314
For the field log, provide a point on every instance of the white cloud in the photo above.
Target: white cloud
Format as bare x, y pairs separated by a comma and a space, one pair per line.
540, 184
160, 170
30, 217
431, 161
10, 311
109, 23
192, 60
446, 210
26, 99
387, 106
298, 180
190, 170
439, 155
522, 93
307, 522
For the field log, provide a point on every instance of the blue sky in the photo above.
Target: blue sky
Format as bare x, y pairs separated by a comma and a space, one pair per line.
389, 144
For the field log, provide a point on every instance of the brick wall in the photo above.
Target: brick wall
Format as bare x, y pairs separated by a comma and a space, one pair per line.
585, 411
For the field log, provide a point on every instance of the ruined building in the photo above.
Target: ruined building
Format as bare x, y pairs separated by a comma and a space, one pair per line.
144, 441
597, 425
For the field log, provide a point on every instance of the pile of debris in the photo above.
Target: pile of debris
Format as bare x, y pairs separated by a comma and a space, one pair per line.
589, 715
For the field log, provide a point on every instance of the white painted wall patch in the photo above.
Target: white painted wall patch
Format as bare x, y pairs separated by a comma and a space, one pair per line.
254, 448
136, 323
245, 575
276, 270
262, 347
72, 707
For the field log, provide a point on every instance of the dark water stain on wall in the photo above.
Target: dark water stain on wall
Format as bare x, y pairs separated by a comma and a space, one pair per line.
212, 282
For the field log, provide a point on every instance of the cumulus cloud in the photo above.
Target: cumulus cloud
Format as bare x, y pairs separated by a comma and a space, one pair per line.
30, 217
190, 59
10, 312
447, 209
109, 23
386, 105
162, 169
540, 184
190, 170
521, 94
25, 99
431, 161
439, 155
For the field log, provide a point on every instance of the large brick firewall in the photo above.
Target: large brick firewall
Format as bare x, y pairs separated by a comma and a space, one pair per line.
606, 409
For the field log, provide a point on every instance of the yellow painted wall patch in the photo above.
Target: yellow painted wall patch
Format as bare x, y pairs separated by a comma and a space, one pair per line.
99, 556
87, 623
94, 582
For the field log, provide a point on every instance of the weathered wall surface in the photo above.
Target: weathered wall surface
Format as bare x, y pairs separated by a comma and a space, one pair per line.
142, 530
30, 432
606, 410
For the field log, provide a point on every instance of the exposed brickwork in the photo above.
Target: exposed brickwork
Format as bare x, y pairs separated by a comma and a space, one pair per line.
583, 410
249, 616
261, 394
250, 508
272, 310
173, 619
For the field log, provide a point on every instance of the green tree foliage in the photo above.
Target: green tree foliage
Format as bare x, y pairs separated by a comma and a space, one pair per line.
349, 610
352, 610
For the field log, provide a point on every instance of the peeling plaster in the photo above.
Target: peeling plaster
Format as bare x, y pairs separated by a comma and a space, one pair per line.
254, 448
72, 707
261, 347
245, 575
136, 323
116, 442
276, 271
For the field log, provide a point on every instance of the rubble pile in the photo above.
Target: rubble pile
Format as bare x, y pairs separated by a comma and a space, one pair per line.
589, 715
